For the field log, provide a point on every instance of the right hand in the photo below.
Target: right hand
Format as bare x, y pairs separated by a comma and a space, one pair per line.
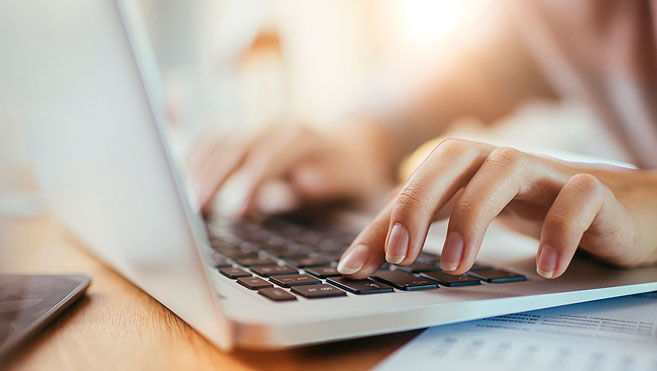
317, 167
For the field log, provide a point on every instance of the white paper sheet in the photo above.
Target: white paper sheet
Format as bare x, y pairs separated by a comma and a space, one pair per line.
612, 334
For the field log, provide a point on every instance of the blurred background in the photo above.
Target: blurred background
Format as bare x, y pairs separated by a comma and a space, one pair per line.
236, 65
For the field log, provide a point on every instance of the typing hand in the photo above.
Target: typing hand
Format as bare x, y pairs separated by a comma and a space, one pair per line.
609, 213
316, 167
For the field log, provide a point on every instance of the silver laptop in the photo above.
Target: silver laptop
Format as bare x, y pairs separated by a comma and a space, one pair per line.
84, 85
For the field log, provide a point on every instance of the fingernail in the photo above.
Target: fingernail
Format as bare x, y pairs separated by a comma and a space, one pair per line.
354, 260
547, 261
450, 258
397, 244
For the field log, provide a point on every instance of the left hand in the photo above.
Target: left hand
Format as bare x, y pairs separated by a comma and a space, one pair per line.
609, 212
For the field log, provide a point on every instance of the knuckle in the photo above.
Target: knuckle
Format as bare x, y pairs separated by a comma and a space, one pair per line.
453, 146
586, 182
466, 208
560, 224
506, 156
411, 196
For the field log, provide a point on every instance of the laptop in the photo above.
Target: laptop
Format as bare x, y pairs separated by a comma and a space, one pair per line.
83, 82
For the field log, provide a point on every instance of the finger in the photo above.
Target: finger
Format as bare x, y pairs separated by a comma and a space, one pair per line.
446, 210
490, 190
445, 171
436, 180
581, 201
272, 159
366, 255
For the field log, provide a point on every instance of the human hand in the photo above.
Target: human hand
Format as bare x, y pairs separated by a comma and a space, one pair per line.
317, 167
605, 212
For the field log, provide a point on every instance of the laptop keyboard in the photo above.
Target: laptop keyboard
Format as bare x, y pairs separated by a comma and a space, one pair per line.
282, 260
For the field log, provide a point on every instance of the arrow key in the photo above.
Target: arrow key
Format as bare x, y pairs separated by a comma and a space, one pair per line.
404, 281
360, 287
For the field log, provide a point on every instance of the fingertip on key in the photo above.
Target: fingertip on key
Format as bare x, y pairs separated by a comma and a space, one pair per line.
547, 261
397, 248
354, 260
452, 253
448, 266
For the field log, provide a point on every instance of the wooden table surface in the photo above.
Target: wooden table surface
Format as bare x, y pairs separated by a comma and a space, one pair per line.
116, 326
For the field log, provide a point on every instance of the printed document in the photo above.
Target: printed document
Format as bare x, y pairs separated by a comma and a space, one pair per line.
611, 334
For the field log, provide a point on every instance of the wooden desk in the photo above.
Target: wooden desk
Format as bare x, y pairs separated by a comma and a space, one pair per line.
119, 327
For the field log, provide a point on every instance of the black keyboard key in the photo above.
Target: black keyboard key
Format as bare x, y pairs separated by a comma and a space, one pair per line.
431, 255
300, 247
330, 244
288, 254
254, 283
385, 267
481, 267
428, 258
250, 237
274, 240
308, 262
451, 280
221, 245
334, 257
497, 276
249, 246
273, 270
251, 262
418, 267
294, 280
404, 281
318, 291
221, 262
238, 253
323, 272
308, 237
234, 273
330, 250
360, 287
277, 294
238, 245
274, 249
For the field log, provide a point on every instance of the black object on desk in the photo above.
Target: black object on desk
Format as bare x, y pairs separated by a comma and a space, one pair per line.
29, 302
